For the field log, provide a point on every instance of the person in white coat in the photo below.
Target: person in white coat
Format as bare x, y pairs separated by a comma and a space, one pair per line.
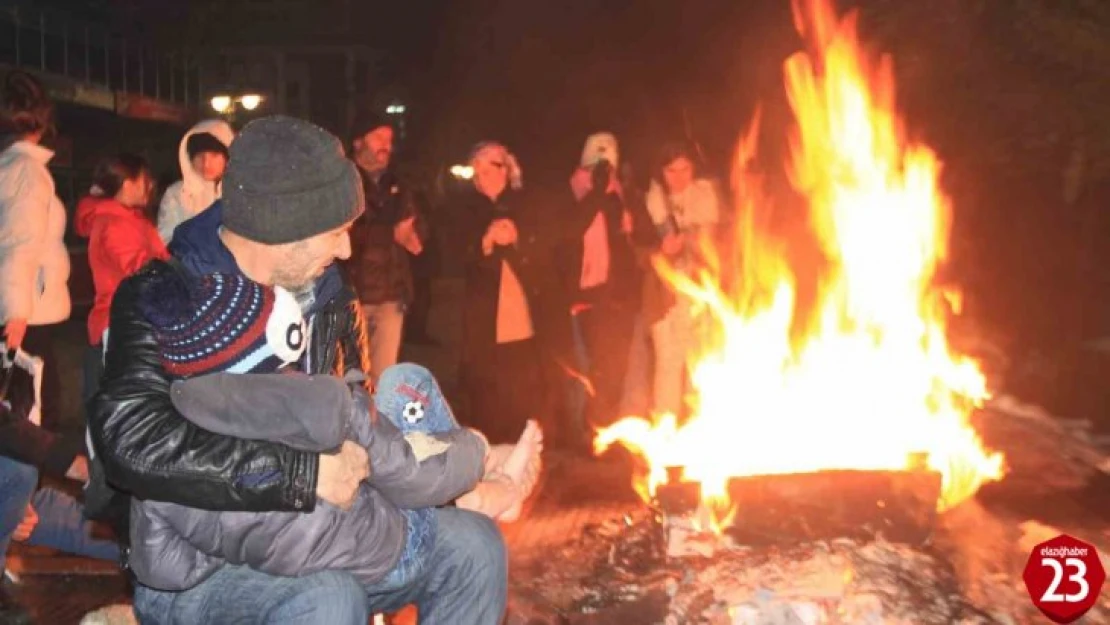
203, 158
683, 206
34, 269
34, 261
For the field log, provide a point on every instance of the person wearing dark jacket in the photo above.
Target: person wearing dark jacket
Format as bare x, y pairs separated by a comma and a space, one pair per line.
233, 347
289, 201
38, 516
600, 260
512, 312
382, 240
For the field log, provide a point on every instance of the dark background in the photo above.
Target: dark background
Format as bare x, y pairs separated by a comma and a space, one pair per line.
1010, 93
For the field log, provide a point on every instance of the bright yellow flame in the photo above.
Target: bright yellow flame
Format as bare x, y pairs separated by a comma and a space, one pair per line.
863, 379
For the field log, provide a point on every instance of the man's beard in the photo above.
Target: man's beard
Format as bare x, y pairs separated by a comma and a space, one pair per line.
294, 280
303, 292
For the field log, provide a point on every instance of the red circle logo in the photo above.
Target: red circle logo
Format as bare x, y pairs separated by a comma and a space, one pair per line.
1064, 577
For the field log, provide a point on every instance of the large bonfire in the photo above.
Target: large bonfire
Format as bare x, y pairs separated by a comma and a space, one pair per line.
865, 378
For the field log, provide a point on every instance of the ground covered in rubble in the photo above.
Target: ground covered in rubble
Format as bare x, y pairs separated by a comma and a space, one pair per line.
618, 570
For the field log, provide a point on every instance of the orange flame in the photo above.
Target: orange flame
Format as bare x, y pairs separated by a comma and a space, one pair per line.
865, 380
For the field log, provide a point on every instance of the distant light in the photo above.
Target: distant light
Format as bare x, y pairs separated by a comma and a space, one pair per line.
251, 101
462, 172
395, 109
221, 103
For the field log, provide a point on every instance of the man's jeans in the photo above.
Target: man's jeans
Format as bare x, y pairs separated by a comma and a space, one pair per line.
61, 524
466, 583
384, 325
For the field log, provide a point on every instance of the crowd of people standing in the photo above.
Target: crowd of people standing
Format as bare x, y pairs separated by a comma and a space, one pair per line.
284, 250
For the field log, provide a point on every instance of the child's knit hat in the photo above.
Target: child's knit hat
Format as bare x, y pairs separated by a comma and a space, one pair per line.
224, 322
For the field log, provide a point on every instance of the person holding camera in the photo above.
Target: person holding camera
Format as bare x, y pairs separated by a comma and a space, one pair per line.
381, 240
605, 282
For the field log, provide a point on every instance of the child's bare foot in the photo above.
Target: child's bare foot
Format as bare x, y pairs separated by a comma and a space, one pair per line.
522, 466
495, 495
527, 447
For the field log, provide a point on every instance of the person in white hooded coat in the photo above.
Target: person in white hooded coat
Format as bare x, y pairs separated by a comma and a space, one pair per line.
684, 207
203, 158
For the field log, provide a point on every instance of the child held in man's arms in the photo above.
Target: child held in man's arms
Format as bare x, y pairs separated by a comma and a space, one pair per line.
214, 328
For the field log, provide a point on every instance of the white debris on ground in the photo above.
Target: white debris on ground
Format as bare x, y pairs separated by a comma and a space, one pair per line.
1073, 439
839, 582
847, 582
970, 571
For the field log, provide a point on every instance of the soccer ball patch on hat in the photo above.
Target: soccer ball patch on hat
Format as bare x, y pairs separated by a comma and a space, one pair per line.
413, 412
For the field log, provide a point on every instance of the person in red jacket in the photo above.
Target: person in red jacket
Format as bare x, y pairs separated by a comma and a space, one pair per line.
115, 217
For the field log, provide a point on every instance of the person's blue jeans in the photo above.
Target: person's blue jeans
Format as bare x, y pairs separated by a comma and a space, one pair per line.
240, 595
467, 580
17, 485
408, 396
466, 583
61, 525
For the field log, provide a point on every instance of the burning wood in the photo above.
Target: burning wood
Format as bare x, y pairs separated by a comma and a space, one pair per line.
862, 380
666, 565
897, 506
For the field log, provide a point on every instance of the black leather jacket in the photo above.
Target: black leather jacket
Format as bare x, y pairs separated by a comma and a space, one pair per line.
142, 446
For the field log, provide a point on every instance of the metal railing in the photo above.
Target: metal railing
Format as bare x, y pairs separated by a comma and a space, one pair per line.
54, 42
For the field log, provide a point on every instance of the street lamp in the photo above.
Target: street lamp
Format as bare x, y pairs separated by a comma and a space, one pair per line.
224, 104
462, 172
250, 101
221, 103
395, 109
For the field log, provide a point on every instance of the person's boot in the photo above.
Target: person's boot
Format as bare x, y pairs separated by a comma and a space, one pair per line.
11, 613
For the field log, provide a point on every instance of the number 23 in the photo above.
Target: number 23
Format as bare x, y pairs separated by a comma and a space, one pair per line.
1080, 577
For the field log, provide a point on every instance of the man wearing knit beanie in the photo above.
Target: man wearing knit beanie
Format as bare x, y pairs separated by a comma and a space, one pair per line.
386, 242
289, 198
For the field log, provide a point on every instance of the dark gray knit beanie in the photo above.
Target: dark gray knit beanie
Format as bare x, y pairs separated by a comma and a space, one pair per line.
288, 180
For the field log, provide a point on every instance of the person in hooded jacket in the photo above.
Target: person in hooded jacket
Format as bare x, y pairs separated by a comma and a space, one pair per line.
203, 158
685, 207
600, 259
122, 238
